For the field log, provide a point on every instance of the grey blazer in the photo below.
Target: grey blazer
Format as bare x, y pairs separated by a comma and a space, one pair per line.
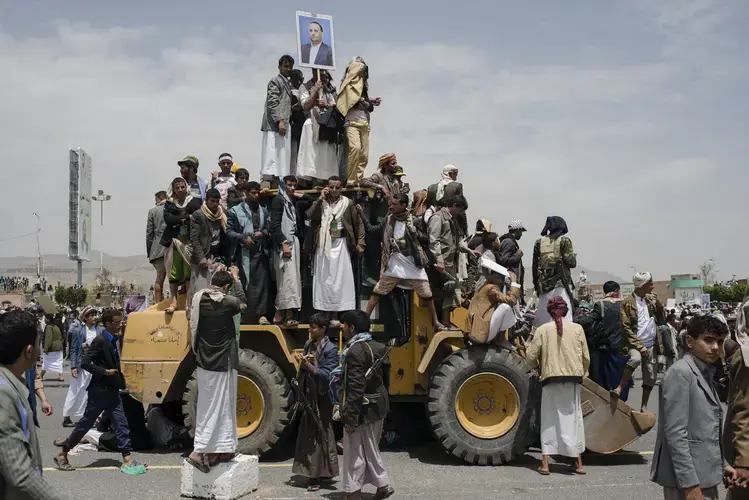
688, 449
277, 104
154, 231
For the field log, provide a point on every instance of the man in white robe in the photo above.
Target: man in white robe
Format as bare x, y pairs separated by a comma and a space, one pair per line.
275, 158
214, 342
336, 232
82, 333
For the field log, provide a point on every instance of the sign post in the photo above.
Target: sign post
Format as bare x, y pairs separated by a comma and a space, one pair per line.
79, 206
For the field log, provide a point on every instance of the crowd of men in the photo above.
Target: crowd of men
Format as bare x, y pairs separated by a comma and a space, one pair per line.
14, 283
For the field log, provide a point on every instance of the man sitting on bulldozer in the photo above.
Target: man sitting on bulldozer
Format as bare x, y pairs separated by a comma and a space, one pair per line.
490, 311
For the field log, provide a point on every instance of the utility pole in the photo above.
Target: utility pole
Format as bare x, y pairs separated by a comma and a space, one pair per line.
101, 197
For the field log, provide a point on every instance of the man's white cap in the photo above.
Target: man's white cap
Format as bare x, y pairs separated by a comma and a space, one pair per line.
494, 267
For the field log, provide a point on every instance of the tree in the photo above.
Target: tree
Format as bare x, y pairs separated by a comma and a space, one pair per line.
71, 296
103, 282
734, 293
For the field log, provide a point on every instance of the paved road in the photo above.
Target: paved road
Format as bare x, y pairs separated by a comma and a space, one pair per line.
423, 472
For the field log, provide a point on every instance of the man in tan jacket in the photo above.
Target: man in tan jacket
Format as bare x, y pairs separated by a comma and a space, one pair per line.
485, 303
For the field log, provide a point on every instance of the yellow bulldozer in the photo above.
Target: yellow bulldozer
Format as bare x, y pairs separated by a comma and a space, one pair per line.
482, 403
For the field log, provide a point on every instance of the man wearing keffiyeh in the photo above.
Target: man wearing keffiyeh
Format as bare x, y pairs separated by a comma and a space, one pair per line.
207, 236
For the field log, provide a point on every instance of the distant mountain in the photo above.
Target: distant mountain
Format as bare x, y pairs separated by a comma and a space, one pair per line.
58, 269
136, 269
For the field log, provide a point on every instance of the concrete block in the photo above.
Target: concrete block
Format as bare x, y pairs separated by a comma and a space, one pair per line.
225, 481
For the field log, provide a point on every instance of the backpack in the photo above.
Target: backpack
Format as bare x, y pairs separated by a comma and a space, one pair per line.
550, 252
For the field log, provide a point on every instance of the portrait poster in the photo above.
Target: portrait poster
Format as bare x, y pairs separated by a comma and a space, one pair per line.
135, 303
315, 41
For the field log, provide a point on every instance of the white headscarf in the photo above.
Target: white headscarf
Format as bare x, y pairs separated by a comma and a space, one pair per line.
170, 195
446, 179
641, 279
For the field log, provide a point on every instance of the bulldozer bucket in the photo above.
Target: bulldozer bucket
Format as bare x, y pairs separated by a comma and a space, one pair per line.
610, 424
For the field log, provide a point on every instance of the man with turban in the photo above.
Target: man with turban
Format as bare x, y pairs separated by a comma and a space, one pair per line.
553, 258
560, 352
384, 181
640, 315
447, 187
355, 105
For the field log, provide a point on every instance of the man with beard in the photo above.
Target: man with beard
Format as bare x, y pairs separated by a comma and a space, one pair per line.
640, 315
207, 236
510, 254
188, 169
247, 228
336, 232
177, 211
298, 117
316, 52
402, 259
275, 157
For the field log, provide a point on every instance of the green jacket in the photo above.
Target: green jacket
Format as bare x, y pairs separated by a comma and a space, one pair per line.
52, 339
628, 320
545, 281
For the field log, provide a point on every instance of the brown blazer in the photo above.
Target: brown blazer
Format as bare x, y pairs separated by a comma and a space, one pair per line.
483, 305
736, 430
352, 225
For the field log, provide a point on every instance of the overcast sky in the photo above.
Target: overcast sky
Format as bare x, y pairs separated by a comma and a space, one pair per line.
628, 118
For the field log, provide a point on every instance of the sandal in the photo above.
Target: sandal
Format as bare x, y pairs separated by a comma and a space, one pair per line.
543, 472
263, 321
172, 308
60, 442
227, 458
579, 472
439, 327
313, 486
291, 323
201, 466
63, 464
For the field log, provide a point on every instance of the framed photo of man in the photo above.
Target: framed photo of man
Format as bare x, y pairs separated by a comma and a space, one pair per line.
315, 41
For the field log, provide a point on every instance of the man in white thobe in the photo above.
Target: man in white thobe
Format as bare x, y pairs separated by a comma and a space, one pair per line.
275, 159
336, 231
214, 341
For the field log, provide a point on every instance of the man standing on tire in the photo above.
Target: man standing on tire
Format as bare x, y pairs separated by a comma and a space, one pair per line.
364, 405
214, 342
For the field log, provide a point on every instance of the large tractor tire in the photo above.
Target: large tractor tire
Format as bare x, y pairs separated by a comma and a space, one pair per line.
264, 400
481, 405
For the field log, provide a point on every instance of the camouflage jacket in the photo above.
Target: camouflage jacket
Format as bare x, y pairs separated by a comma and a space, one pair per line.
628, 320
544, 281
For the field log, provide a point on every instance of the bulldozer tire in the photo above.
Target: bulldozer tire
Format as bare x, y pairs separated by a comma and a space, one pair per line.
481, 404
264, 400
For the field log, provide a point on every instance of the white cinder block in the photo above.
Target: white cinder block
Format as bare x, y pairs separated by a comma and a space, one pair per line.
225, 481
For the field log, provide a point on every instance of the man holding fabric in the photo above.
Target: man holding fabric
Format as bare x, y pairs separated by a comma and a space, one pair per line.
355, 105
247, 228
640, 315
214, 342
491, 308
336, 231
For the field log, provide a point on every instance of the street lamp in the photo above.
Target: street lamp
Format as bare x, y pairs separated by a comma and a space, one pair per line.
38, 247
101, 197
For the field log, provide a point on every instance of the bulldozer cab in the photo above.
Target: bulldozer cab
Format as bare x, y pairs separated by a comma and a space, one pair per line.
482, 402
